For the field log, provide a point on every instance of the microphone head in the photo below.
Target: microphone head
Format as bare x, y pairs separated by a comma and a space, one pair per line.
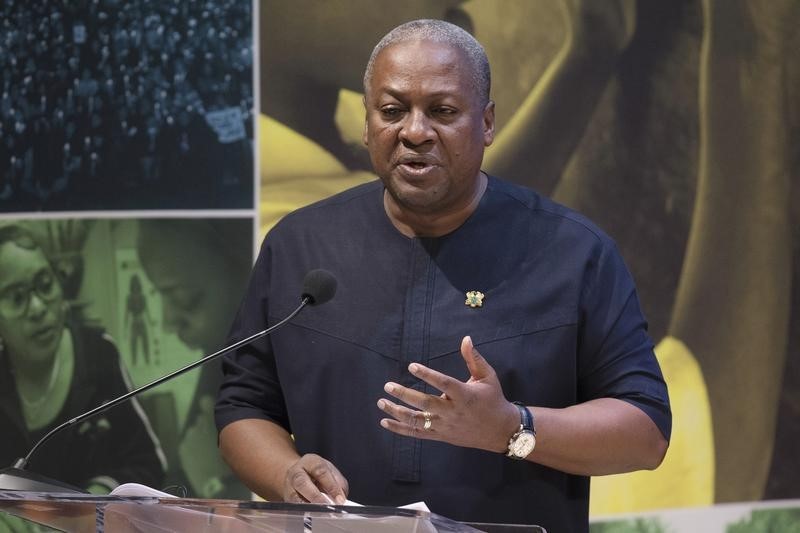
319, 286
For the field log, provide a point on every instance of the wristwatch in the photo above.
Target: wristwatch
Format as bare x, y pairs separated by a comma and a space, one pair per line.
522, 443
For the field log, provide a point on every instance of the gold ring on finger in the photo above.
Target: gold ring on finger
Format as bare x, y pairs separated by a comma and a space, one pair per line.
428, 422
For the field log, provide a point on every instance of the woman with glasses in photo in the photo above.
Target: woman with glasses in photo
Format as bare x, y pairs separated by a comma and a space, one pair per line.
52, 368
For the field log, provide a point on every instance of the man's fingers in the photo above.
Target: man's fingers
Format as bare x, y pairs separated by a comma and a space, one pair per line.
340, 496
303, 487
417, 430
409, 422
412, 397
478, 367
450, 387
313, 479
412, 418
331, 482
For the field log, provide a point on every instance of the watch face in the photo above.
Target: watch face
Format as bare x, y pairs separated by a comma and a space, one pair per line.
523, 445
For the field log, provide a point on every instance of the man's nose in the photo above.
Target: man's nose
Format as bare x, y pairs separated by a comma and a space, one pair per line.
416, 129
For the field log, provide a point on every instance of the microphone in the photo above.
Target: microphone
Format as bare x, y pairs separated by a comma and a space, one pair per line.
319, 286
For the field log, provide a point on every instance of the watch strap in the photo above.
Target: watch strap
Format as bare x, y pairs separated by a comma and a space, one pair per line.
526, 418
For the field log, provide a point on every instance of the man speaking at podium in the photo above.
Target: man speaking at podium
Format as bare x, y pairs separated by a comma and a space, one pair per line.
485, 352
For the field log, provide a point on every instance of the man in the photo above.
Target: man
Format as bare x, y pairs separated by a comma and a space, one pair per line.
458, 293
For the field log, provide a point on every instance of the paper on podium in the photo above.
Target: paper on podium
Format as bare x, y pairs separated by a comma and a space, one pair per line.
352, 522
135, 489
416, 506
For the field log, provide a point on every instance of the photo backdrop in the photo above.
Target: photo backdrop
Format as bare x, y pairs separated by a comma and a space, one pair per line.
673, 125
126, 151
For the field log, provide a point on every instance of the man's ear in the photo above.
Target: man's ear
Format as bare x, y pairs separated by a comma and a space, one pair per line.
488, 123
365, 135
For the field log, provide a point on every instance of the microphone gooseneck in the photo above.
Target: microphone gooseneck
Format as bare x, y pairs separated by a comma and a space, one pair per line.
319, 286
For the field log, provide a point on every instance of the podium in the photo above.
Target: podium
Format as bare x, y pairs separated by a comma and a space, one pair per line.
87, 513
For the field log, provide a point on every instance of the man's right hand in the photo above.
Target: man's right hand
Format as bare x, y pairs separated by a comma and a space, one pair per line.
313, 479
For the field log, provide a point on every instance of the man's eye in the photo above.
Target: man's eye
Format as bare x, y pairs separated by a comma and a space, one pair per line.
444, 111
390, 112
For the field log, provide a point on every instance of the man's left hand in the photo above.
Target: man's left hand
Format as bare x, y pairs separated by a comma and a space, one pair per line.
472, 414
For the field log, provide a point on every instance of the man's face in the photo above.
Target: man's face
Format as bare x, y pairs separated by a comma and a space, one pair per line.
426, 126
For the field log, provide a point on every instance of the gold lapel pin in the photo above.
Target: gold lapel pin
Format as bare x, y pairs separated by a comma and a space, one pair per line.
474, 299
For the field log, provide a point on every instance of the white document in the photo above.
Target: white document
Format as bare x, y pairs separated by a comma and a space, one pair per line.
136, 489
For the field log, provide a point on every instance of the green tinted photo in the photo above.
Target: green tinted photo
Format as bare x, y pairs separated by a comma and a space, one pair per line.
90, 309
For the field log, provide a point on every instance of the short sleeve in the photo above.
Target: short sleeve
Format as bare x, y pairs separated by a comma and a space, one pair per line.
686, 476
250, 386
616, 357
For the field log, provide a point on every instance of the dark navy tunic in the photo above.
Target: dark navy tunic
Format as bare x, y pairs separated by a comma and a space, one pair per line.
560, 323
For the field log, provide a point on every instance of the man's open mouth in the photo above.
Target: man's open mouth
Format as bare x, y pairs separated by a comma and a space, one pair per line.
416, 163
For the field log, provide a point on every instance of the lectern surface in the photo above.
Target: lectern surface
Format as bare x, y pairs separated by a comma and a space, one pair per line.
89, 513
